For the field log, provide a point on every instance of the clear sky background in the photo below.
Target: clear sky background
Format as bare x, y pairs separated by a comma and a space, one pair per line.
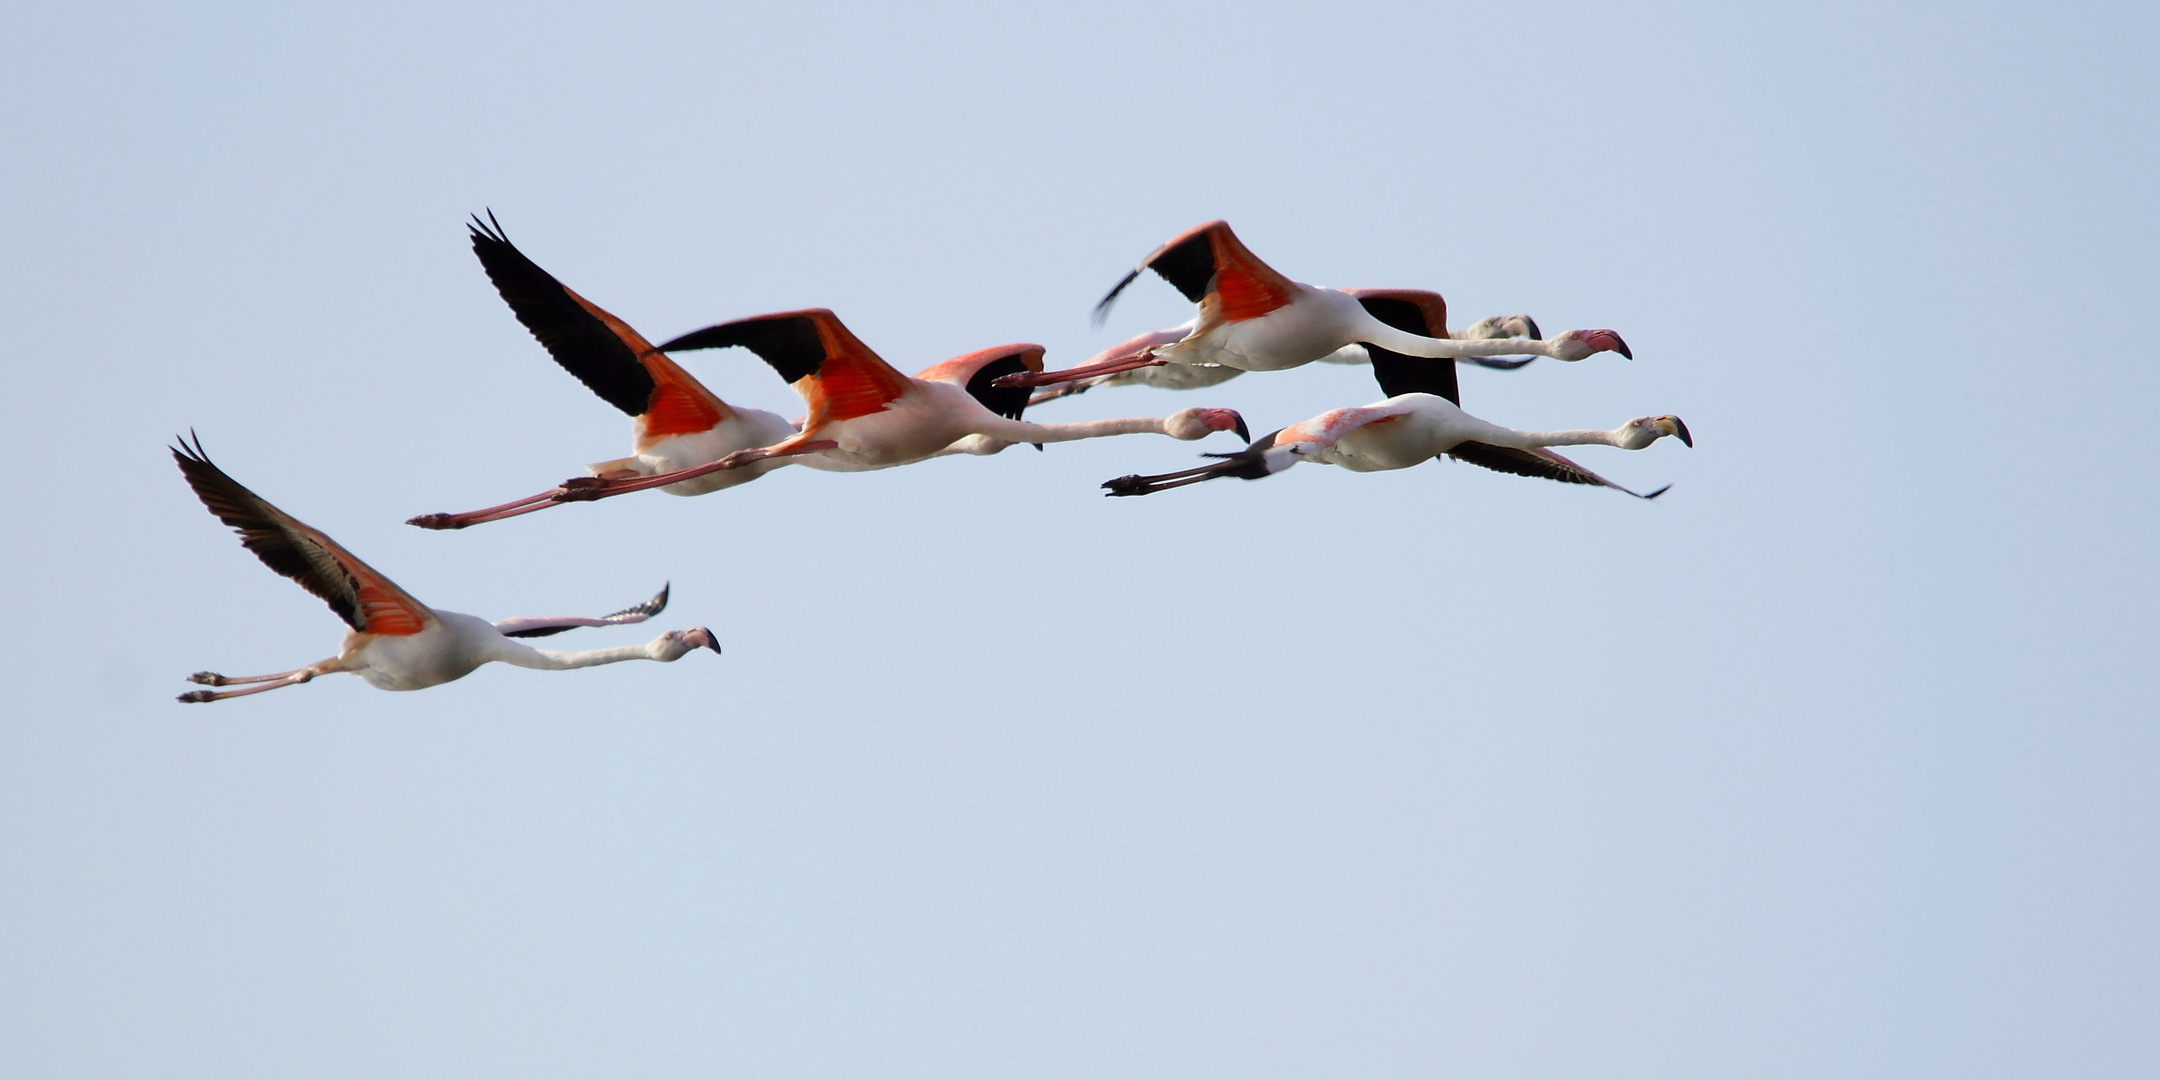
1839, 760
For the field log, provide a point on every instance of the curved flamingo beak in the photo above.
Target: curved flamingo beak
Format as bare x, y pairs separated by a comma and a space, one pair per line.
1671, 425
703, 638
1606, 341
1225, 420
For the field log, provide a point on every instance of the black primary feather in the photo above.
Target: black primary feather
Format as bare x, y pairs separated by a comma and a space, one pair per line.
1398, 374
1102, 306
788, 342
1546, 465
575, 337
263, 531
633, 613
1009, 402
1189, 267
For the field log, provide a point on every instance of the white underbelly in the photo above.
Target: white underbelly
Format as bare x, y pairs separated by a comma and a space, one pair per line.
417, 661
905, 433
1366, 454
746, 429
1284, 338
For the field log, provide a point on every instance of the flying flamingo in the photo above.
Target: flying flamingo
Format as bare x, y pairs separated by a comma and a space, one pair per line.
1254, 319
864, 415
396, 643
1419, 421
1414, 310
676, 422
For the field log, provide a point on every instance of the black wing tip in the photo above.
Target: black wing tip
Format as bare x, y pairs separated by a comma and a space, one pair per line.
1653, 494
701, 338
651, 607
189, 448
490, 230
1499, 363
1102, 306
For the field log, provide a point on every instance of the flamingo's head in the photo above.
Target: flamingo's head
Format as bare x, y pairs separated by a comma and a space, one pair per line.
1190, 424
1644, 430
1576, 344
675, 644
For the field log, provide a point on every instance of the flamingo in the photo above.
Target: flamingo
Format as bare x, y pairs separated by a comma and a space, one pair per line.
1417, 422
397, 642
864, 415
1414, 310
676, 422
1254, 319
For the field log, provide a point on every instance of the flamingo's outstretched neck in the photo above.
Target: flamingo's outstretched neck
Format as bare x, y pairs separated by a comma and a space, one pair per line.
1570, 345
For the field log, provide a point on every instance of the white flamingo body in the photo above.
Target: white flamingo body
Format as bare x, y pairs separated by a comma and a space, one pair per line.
741, 429
1252, 318
454, 644
1411, 429
396, 642
1313, 324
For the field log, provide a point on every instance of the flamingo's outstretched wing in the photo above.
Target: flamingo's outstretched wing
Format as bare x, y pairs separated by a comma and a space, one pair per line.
1540, 463
1417, 312
610, 358
362, 596
975, 372
542, 626
1210, 261
837, 375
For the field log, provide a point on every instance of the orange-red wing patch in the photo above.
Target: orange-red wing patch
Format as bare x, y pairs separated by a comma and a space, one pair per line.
960, 369
1246, 287
846, 387
852, 381
1329, 427
1429, 304
679, 404
386, 610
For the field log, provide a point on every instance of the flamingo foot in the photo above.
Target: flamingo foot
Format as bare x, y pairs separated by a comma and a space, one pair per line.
584, 489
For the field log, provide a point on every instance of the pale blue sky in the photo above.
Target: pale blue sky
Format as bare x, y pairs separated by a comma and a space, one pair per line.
1839, 760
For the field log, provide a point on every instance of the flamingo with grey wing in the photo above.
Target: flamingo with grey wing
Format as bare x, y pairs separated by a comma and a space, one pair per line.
396, 642
1410, 428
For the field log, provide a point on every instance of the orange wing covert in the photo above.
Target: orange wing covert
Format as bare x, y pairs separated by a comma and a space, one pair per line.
1246, 287
679, 404
851, 381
